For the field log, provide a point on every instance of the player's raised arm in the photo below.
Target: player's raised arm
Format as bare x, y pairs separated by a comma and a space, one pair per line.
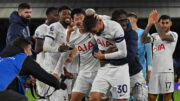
145, 38
159, 29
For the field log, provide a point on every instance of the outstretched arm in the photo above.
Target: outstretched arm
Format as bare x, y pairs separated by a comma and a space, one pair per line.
145, 38
162, 34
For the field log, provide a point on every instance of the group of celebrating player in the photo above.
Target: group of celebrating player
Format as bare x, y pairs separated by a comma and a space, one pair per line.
98, 54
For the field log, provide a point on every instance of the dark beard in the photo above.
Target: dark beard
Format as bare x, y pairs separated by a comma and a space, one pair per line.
99, 33
26, 21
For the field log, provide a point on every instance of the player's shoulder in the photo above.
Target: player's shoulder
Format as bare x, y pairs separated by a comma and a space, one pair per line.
174, 34
42, 26
53, 26
110, 23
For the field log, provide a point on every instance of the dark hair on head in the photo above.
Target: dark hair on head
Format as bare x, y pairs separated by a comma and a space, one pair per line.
63, 8
77, 11
164, 17
89, 22
24, 6
50, 9
132, 14
21, 43
117, 13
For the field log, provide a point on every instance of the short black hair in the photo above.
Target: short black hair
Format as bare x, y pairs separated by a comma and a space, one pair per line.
77, 11
64, 8
50, 9
132, 14
24, 6
21, 43
89, 22
164, 17
117, 13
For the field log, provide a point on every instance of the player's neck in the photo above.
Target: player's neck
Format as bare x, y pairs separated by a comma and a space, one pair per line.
48, 23
82, 31
134, 26
64, 24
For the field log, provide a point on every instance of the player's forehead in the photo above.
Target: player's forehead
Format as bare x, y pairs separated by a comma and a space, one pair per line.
165, 20
67, 11
79, 15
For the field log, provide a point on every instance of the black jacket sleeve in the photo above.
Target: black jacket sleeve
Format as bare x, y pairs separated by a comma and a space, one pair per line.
31, 67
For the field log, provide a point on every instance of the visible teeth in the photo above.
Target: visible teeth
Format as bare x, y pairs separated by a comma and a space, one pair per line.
67, 19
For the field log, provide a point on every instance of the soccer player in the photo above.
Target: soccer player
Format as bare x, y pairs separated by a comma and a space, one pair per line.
83, 42
164, 43
42, 30
114, 75
137, 81
144, 49
53, 40
40, 33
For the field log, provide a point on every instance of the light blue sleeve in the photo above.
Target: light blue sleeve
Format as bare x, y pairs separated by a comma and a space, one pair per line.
148, 51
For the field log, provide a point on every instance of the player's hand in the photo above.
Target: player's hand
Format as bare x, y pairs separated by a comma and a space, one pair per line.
99, 55
63, 48
111, 49
152, 19
68, 74
30, 81
57, 76
156, 16
70, 27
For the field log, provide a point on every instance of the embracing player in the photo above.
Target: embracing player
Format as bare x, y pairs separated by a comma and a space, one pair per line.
113, 74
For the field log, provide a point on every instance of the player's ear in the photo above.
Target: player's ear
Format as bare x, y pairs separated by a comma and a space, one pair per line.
170, 23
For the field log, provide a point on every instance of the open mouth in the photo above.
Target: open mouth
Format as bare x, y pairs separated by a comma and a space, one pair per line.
67, 20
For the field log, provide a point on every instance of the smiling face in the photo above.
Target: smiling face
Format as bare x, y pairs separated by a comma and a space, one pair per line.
78, 20
123, 21
65, 16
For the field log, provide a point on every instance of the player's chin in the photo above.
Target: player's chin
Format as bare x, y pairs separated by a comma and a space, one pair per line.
68, 22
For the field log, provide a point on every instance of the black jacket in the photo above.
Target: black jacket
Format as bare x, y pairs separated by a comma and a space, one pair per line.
29, 67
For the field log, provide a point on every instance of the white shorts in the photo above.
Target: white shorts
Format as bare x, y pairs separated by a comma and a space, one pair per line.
137, 79
161, 83
84, 82
59, 95
114, 77
138, 87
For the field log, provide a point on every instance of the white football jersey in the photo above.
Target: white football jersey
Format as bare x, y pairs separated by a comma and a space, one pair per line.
40, 33
162, 52
84, 44
110, 36
58, 34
